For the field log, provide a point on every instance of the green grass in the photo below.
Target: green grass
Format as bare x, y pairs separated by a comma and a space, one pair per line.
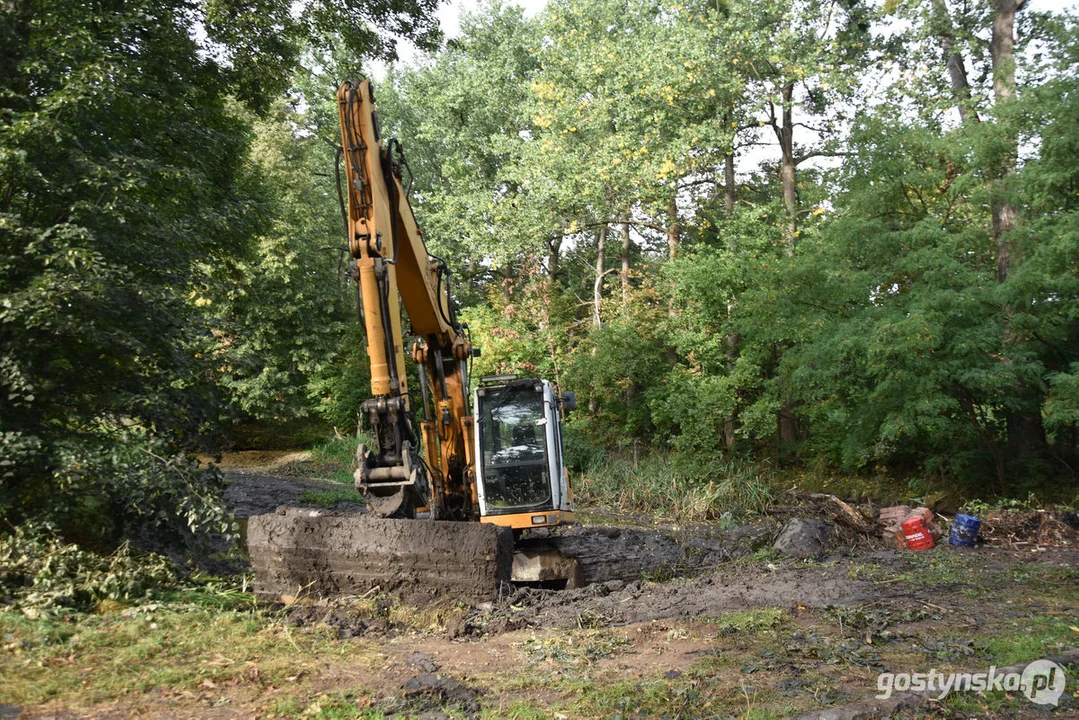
335, 458
336, 706
230, 600
575, 648
519, 710
948, 566
105, 656
1027, 638
750, 621
339, 450
880, 487
693, 489
331, 497
341, 706
682, 697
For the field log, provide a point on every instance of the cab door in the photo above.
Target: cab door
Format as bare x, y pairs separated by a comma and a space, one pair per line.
514, 441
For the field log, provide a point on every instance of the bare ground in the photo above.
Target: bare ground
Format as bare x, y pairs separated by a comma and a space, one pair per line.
716, 627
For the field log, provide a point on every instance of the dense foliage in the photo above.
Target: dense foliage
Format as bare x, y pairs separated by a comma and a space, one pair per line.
41, 575
840, 234
776, 229
128, 188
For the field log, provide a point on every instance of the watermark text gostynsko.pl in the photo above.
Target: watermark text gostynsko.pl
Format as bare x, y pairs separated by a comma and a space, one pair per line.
1042, 681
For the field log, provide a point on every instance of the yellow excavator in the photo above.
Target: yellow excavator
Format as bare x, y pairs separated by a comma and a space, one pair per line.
478, 476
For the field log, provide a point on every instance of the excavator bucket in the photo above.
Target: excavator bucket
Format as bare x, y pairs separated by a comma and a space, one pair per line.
300, 553
392, 492
391, 500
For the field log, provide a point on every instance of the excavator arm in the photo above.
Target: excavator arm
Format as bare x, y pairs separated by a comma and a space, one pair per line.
393, 266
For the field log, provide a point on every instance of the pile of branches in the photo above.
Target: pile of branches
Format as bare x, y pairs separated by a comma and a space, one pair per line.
42, 575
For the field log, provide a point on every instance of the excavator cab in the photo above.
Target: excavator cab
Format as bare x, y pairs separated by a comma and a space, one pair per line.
521, 479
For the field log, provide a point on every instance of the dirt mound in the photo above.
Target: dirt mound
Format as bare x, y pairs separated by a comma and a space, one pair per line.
298, 553
627, 554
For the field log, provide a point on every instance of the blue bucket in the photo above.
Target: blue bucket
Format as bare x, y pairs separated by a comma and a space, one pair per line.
964, 530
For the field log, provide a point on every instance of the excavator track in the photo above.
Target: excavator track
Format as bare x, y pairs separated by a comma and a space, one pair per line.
300, 553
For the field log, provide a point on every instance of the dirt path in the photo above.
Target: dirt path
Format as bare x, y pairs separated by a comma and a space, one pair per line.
251, 491
850, 609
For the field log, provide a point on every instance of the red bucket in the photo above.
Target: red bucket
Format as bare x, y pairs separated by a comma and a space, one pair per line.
917, 535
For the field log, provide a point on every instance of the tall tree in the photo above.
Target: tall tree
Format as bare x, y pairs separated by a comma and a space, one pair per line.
123, 183
121, 179
802, 61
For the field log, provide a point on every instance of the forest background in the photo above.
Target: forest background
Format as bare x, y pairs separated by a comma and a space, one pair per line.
766, 242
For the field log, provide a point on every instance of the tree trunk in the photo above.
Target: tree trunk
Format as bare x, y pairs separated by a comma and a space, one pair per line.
508, 282
553, 259
988, 438
627, 249
787, 425
730, 425
787, 179
957, 70
728, 183
1002, 50
674, 229
601, 271
1026, 432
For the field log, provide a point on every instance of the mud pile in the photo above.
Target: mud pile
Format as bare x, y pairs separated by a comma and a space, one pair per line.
307, 553
628, 554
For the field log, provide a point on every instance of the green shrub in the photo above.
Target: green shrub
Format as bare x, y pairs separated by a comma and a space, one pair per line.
105, 489
582, 454
40, 574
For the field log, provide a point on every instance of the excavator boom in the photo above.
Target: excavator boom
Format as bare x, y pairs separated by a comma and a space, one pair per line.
393, 265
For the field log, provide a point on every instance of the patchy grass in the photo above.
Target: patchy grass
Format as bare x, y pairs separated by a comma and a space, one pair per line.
518, 710
338, 450
750, 621
574, 649
760, 663
339, 706
934, 491
207, 645
332, 459
880, 487
331, 497
336, 458
968, 572
107, 656
1027, 638
347, 705
662, 695
431, 618
210, 597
